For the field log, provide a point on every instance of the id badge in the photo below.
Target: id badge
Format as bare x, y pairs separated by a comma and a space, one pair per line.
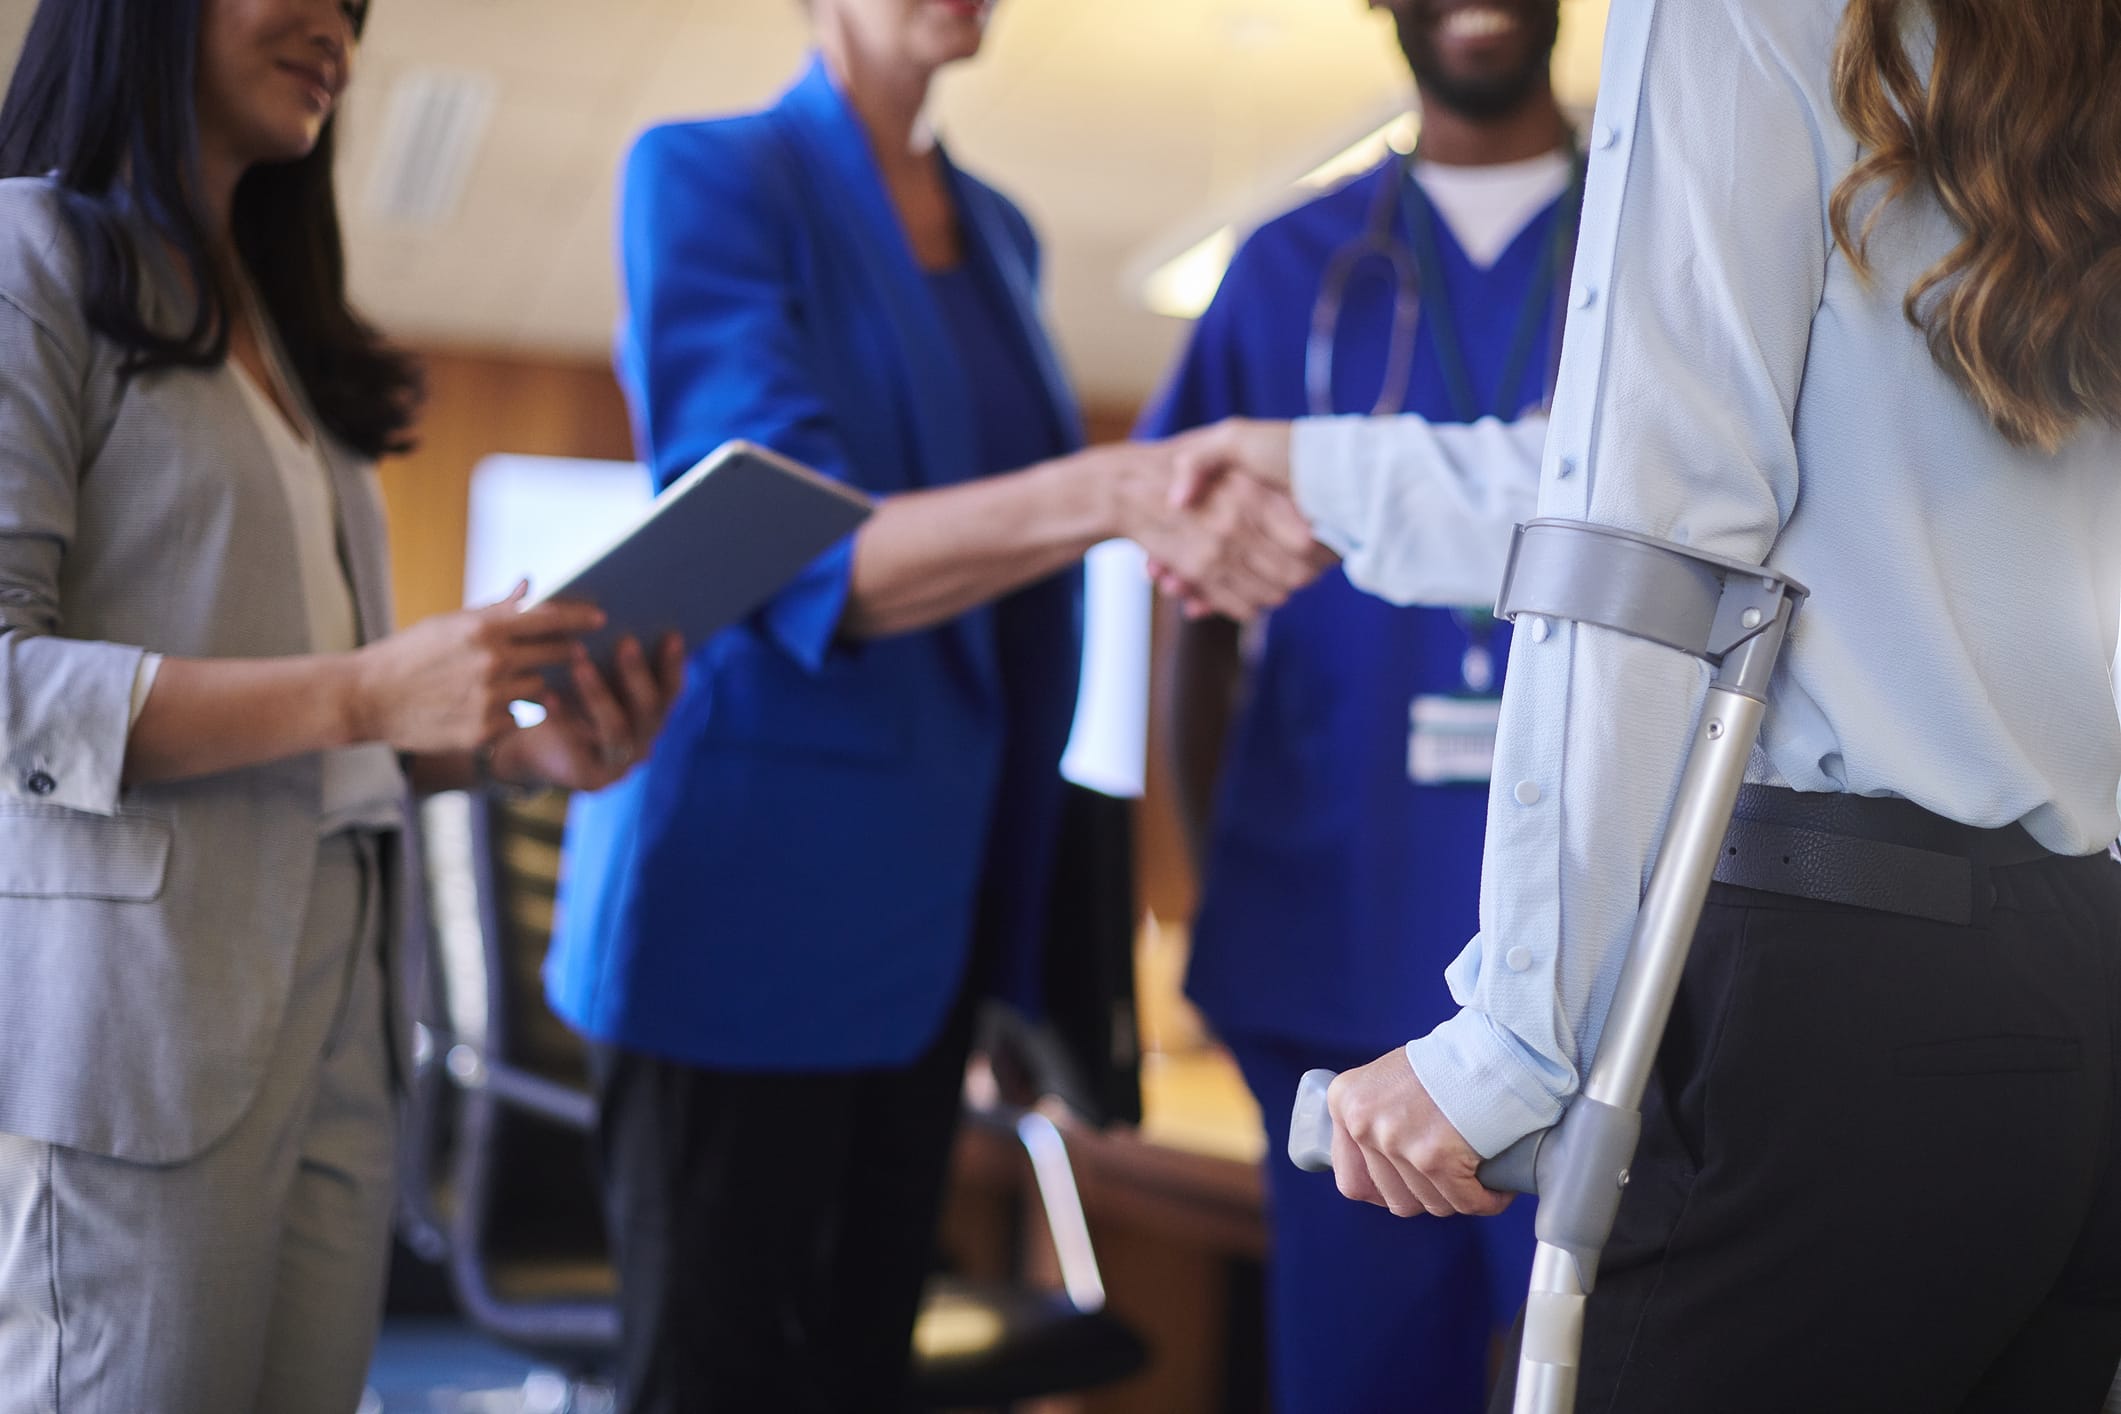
1452, 740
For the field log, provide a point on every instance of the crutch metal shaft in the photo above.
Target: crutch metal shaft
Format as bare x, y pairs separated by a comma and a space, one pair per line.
1565, 1266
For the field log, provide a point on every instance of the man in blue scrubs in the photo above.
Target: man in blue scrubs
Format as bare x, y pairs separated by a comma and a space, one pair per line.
1338, 819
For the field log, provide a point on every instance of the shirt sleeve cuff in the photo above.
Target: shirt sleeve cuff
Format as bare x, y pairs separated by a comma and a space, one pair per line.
1329, 475
143, 684
69, 744
1478, 1078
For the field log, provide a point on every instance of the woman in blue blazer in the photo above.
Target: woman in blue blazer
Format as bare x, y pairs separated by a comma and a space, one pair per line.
776, 930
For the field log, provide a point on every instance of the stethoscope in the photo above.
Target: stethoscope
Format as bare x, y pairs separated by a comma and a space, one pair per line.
1413, 263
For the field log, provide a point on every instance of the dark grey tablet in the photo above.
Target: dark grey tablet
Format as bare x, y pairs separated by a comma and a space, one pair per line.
715, 545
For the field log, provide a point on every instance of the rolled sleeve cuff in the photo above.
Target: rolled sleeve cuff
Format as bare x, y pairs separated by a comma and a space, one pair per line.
804, 618
1330, 473
1481, 1082
74, 756
143, 684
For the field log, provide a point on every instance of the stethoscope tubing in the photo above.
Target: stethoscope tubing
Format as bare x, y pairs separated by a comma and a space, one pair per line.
1379, 241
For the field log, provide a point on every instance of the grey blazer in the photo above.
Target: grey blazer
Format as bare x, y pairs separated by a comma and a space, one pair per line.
147, 934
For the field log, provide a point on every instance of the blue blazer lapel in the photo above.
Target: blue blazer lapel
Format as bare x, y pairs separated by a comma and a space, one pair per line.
856, 218
1003, 265
832, 143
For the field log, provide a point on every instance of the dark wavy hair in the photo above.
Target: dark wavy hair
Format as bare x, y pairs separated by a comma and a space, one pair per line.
2017, 129
103, 101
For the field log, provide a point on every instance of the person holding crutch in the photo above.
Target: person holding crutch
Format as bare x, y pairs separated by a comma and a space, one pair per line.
1332, 774
1848, 304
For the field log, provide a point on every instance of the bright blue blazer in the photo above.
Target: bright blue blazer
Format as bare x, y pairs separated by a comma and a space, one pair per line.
793, 881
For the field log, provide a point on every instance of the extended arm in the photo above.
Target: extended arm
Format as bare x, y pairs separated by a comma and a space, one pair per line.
433, 692
930, 555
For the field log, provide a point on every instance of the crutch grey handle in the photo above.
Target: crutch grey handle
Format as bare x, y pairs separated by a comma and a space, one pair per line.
1514, 1169
1311, 1141
1311, 1127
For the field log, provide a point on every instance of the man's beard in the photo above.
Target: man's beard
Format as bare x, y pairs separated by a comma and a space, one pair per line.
1481, 99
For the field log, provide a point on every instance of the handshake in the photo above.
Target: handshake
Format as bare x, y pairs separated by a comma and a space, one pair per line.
1215, 512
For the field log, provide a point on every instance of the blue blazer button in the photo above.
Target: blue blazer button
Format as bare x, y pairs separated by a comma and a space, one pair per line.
41, 783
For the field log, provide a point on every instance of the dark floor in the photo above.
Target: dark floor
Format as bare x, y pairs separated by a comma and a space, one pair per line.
434, 1365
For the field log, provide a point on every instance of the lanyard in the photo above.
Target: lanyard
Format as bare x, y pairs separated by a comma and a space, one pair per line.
1420, 218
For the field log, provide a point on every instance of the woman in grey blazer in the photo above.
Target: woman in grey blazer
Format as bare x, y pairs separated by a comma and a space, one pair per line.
206, 726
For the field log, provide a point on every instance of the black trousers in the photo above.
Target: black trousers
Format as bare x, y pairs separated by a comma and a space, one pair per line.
774, 1231
1878, 1166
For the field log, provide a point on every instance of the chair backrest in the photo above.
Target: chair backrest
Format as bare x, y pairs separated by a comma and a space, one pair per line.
517, 846
522, 1220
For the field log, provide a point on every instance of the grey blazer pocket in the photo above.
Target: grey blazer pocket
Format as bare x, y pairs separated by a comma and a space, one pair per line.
64, 854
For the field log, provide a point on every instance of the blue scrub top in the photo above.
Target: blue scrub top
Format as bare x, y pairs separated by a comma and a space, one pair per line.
1336, 890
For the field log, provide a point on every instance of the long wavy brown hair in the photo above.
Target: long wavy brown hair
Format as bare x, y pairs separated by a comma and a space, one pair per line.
2017, 129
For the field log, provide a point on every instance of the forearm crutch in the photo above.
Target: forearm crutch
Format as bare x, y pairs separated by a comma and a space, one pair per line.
1733, 616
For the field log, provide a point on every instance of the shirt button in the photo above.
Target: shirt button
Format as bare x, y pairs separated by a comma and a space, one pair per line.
1519, 958
40, 783
1565, 468
1583, 297
1606, 135
1528, 792
1541, 630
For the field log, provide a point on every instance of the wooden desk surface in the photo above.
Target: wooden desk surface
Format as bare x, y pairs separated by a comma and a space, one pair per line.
1197, 1103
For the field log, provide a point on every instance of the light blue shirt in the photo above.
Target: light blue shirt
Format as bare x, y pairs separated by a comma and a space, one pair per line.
1729, 382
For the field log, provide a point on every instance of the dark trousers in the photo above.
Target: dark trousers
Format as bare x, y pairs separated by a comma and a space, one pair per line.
1877, 1170
773, 1232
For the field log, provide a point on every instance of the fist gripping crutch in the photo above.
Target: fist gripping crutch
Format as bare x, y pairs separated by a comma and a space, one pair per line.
1733, 616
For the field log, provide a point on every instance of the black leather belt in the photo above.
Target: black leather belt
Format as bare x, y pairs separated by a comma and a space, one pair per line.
1866, 852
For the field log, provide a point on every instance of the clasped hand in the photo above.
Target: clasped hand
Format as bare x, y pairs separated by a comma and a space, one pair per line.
1236, 544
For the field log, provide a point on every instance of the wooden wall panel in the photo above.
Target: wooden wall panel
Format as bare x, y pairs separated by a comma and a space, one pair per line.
479, 405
